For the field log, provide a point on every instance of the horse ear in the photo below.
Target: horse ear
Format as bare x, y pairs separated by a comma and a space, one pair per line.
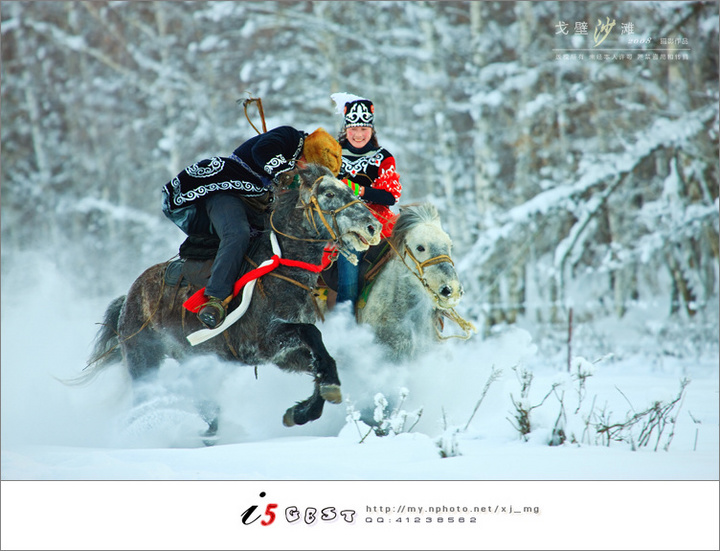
304, 194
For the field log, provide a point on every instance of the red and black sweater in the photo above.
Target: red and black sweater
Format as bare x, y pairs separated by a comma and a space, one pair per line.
373, 168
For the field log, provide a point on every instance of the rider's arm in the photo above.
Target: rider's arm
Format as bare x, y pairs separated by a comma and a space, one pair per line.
379, 196
386, 189
278, 150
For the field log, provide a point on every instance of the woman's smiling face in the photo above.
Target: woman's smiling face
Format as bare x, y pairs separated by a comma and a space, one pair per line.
359, 136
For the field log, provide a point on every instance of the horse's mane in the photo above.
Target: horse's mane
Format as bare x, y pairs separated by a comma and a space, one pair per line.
410, 217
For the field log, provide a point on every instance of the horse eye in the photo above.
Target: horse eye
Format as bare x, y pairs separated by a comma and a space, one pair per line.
329, 194
420, 249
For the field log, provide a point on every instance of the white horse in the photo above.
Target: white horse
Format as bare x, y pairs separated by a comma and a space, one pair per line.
416, 288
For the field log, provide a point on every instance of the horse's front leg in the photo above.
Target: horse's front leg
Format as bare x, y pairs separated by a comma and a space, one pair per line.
299, 347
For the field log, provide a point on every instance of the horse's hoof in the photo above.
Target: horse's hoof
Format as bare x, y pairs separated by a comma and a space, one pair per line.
289, 418
209, 440
331, 393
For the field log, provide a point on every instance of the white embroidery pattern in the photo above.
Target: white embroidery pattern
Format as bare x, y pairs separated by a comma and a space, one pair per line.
215, 166
359, 115
276, 161
360, 164
240, 185
279, 160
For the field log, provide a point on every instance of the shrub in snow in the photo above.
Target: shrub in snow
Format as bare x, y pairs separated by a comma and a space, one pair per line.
593, 425
638, 429
386, 422
448, 444
523, 407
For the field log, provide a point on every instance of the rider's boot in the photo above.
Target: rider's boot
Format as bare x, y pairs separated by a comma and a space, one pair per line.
212, 313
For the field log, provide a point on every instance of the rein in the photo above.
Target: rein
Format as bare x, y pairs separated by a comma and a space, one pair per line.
314, 205
198, 299
467, 326
246, 284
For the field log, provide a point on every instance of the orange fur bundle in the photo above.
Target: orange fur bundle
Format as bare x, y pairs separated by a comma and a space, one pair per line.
321, 148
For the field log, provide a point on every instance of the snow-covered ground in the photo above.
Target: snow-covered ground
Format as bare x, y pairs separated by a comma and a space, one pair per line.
55, 432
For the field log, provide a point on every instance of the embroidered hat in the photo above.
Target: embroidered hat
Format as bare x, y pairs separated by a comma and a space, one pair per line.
359, 113
321, 148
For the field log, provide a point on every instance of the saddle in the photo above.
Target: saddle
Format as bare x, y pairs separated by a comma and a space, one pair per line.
194, 266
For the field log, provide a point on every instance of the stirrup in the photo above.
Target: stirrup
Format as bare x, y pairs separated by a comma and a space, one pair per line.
212, 313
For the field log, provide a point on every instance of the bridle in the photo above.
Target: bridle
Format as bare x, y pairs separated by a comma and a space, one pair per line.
420, 266
450, 313
439, 259
313, 205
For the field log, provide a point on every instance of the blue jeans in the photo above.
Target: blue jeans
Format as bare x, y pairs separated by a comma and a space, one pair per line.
348, 279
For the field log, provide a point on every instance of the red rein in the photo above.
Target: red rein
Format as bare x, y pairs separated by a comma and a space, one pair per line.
196, 301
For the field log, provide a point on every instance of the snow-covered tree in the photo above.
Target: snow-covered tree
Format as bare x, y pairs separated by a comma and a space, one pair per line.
558, 173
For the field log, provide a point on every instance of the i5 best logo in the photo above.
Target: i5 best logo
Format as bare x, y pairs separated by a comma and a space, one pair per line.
293, 514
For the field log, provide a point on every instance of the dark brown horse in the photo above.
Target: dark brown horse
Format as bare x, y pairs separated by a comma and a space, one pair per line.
151, 324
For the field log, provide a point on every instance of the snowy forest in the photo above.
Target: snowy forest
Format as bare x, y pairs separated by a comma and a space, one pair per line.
567, 177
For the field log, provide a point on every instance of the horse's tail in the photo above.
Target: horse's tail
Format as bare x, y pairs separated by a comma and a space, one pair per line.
106, 349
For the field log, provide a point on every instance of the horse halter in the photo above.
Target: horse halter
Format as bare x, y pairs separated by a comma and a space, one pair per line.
439, 259
467, 327
420, 273
314, 205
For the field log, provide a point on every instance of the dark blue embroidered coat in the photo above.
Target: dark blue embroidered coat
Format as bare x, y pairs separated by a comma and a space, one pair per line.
249, 172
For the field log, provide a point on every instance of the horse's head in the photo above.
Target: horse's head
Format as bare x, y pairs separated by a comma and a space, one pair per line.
425, 248
335, 213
